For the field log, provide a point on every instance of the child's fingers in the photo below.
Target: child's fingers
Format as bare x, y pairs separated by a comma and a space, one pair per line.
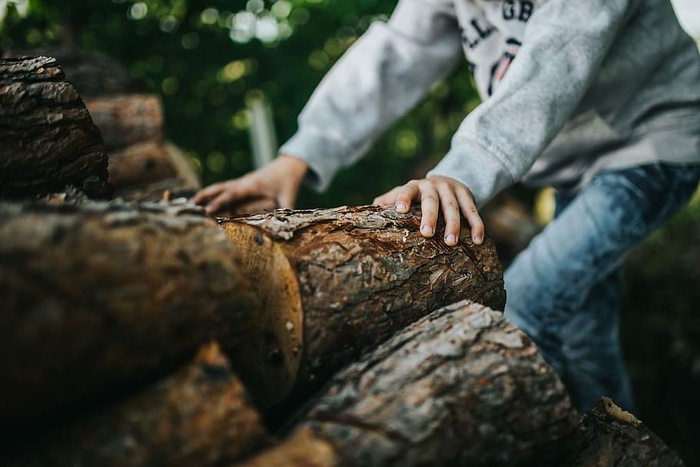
451, 214
471, 213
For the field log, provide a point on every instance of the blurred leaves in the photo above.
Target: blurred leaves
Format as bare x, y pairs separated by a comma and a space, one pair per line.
205, 58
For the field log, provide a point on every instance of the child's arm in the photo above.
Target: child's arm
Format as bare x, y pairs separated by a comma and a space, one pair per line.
376, 81
564, 46
384, 74
565, 43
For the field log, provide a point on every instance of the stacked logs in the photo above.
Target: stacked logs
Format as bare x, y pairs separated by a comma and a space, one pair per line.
149, 334
143, 164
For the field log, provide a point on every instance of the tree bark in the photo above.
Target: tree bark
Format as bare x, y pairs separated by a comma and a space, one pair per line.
126, 119
47, 139
98, 295
609, 436
336, 282
459, 387
201, 415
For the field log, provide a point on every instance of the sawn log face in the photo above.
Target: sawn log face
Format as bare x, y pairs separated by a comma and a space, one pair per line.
362, 273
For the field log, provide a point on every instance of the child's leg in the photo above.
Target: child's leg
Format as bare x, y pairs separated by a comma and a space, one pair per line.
561, 288
593, 363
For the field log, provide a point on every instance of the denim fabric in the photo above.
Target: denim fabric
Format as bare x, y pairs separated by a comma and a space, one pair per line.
563, 290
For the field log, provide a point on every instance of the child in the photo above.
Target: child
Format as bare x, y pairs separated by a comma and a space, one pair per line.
600, 99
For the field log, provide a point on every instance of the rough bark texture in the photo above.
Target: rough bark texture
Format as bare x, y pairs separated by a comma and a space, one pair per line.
108, 293
459, 387
201, 415
126, 119
47, 139
609, 436
336, 282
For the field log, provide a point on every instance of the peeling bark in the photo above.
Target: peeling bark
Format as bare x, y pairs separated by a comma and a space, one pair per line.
334, 283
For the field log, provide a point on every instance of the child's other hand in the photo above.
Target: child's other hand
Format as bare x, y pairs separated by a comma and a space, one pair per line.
275, 184
435, 194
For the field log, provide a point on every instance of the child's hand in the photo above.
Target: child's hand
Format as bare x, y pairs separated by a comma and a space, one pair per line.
438, 193
275, 184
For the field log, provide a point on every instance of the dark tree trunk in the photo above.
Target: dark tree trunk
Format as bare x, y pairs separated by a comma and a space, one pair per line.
459, 387
100, 294
47, 139
201, 415
336, 282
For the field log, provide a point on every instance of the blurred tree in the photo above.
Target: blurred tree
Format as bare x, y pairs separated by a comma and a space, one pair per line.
206, 58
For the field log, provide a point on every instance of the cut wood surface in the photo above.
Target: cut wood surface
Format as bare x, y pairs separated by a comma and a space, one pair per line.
126, 119
99, 294
609, 437
459, 387
333, 283
47, 139
201, 415
139, 164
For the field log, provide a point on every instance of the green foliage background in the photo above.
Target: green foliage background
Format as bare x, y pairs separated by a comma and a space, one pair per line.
192, 53
199, 56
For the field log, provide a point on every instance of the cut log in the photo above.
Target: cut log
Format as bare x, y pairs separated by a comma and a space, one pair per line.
173, 188
127, 119
333, 283
459, 387
96, 295
47, 139
139, 164
609, 436
93, 74
202, 415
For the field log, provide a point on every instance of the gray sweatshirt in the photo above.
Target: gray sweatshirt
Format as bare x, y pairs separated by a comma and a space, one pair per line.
568, 87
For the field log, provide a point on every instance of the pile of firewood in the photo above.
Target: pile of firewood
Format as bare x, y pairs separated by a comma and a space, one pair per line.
135, 330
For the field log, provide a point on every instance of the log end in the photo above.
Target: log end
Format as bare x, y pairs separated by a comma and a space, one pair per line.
269, 362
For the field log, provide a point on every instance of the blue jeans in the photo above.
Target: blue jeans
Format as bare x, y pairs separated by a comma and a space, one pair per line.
563, 290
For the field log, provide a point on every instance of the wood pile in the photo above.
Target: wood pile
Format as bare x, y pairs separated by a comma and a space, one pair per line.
145, 333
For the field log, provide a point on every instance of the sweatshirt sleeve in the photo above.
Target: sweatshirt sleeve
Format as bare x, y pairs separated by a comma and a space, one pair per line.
377, 80
564, 45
